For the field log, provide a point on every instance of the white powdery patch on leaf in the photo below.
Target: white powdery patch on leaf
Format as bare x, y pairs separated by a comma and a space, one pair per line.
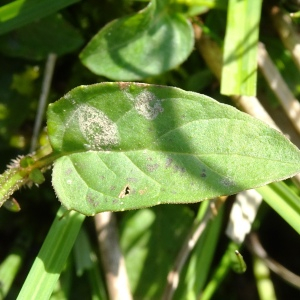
98, 130
148, 105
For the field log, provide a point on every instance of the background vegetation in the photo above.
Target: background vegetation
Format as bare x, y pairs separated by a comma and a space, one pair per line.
37, 36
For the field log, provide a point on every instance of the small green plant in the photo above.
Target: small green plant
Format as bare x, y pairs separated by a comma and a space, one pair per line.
130, 147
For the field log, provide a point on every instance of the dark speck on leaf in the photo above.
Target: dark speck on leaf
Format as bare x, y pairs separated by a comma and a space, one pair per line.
179, 169
91, 200
152, 167
203, 172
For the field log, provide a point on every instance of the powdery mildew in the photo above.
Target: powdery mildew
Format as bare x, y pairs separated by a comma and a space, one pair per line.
148, 105
98, 130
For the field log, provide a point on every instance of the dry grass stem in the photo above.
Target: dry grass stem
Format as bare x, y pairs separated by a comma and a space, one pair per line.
48, 75
187, 247
289, 103
212, 55
256, 248
290, 37
111, 256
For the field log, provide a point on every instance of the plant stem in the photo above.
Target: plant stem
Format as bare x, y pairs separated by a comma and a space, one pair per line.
287, 32
43, 99
16, 176
212, 55
254, 245
279, 87
188, 246
112, 257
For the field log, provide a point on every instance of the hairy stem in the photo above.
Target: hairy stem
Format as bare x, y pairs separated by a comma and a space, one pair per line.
17, 176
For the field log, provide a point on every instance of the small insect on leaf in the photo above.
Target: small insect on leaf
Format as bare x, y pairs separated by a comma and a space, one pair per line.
239, 265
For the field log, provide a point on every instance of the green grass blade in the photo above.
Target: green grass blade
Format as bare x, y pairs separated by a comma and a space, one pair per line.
240, 49
220, 273
284, 201
201, 258
264, 283
8, 270
51, 259
21, 12
10, 267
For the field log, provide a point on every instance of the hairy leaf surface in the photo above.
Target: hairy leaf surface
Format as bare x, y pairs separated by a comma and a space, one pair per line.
131, 145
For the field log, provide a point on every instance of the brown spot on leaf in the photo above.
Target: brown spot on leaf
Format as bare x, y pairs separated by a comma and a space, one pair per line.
92, 200
179, 169
141, 84
142, 192
169, 161
125, 191
152, 167
68, 171
123, 85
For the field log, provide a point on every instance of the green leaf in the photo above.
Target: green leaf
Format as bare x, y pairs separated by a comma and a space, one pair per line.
38, 39
220, 272
11, 265
141, 45
21, 12
240, 50
132, 145
196, 7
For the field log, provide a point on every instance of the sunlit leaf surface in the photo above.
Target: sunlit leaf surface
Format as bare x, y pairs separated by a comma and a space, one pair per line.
130, 145
142, 45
